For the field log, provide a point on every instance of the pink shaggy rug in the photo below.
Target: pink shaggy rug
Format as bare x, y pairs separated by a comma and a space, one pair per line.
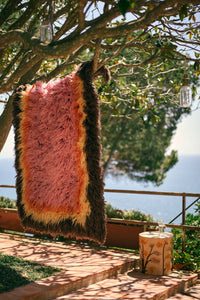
57, 143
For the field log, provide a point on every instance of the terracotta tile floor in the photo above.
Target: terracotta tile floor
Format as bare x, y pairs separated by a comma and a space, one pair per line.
85, 272
132, 285
190, 294
81, 265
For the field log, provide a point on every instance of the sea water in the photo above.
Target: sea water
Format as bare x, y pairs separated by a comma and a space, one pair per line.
183, 177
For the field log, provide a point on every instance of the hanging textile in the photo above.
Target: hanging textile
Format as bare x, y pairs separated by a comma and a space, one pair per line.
57, 145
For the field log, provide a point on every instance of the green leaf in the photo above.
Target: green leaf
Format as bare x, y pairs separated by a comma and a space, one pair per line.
181, 16
196, 66
123, 6
183, 12
132, 4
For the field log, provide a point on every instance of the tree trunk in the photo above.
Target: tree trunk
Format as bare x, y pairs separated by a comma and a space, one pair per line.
6, 117
6, 122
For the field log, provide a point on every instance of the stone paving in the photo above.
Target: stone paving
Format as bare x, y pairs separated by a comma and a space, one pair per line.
89, 273
81, 265
191, 293
134, 285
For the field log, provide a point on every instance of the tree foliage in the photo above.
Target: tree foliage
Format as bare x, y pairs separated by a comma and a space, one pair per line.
142, 42
137, 131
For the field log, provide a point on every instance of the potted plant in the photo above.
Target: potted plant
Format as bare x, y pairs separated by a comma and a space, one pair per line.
124, 235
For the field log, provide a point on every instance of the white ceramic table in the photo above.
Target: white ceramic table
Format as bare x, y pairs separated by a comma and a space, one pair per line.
156, 252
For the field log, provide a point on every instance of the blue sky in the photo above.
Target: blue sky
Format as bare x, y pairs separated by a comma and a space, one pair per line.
186, 139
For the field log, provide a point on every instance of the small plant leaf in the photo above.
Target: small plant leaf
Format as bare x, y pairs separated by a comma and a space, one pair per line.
123, 6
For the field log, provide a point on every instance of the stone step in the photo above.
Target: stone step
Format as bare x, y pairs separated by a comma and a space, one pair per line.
135, 285
81, 265
89, 273
191, 293
181, 297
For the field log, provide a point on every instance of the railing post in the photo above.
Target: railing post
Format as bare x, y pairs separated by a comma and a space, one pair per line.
183, 222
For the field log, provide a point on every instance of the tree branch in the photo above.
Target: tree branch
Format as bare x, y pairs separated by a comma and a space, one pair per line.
67, 45
129, 66
81, 16
68, 24
32, 6
70, 61
23, 67
10, 66
6, 122
96, 55
9, 8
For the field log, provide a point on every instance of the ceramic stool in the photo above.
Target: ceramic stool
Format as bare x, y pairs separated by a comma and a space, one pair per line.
156, 252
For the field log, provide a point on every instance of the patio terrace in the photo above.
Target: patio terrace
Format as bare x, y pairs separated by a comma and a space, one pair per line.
89, 272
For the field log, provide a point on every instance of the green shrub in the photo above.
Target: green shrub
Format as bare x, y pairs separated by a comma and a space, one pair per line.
131, 214
7, 203
190, 258
185, 260
128, 214
113, 212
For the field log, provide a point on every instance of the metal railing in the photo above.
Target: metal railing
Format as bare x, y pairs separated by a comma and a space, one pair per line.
183, 227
